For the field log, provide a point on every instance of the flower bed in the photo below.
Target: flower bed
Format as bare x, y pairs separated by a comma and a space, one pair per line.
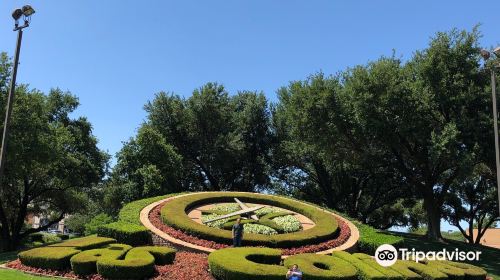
186, 266
174, 214
155, 218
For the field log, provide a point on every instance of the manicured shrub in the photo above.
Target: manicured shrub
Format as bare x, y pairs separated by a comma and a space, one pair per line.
86, 243
84, 263
138, 263
387, 271
63, 236
127, 233
36, 237
471, 272
370, 239
48, 257
246, 263
454, 273
425, 271
173, 214
365, 271
322, 267
131, 211
97, 221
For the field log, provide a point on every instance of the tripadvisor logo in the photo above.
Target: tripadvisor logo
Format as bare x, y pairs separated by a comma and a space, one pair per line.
387, 255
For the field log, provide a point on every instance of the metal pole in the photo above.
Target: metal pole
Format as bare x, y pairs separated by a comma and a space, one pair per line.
495, 125
10, 103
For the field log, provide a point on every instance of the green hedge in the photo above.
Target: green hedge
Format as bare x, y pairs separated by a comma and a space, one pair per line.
86, 243
246, 263
48, 257
370, 239
130, 212
174, 214
84, 263
322, 267
264, 264
127, 233
471, 272
138, 263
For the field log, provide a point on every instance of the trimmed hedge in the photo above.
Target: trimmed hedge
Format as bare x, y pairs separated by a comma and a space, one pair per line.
471, 272
370, 239
174, 214
84, 263
130, 212
127, 233
86, 243
48, 257
138, 263
246, 263
322, 267
263, 263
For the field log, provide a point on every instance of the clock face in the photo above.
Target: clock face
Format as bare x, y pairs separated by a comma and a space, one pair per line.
207, 218
256, 217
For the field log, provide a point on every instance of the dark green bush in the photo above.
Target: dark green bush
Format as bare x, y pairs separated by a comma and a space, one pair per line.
138, 263
247, 263
174, 214
86, 243
63, 236
48, 257
36, 237
127, 233
370, 239
84, 263
322, 267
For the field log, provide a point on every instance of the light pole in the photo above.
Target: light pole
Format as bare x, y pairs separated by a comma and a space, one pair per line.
486, 55
25, 12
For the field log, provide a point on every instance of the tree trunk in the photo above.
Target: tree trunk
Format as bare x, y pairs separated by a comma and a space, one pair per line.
433, 216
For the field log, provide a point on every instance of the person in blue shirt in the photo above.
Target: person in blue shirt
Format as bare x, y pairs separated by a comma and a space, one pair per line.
294, 273
237, 233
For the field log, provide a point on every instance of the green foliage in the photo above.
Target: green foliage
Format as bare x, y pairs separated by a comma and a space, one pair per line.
322, 267
370, 239
98, 221
84, 263
138, 263
48, 257
127, 233
246, 263
52, 159
264, 263
131, 211
173, 213
85, 243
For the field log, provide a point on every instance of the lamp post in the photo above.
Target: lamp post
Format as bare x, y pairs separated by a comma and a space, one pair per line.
486, 55
25, 12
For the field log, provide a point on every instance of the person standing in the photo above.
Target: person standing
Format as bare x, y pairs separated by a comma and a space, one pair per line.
294, 273
237, 233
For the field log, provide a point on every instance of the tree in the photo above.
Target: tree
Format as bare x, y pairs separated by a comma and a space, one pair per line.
51, 159
429, 116
214, 142
473, 200
315, 159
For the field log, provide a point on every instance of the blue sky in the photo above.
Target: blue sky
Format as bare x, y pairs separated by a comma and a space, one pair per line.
115, 55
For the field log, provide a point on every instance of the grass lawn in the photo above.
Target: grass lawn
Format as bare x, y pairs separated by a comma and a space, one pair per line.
489, 258
9, 274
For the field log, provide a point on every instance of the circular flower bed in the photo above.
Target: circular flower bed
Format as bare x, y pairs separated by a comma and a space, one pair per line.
276, 219
155, 218
174, 214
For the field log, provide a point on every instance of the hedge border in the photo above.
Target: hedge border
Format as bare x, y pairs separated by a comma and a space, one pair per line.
85, 263
326, 226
